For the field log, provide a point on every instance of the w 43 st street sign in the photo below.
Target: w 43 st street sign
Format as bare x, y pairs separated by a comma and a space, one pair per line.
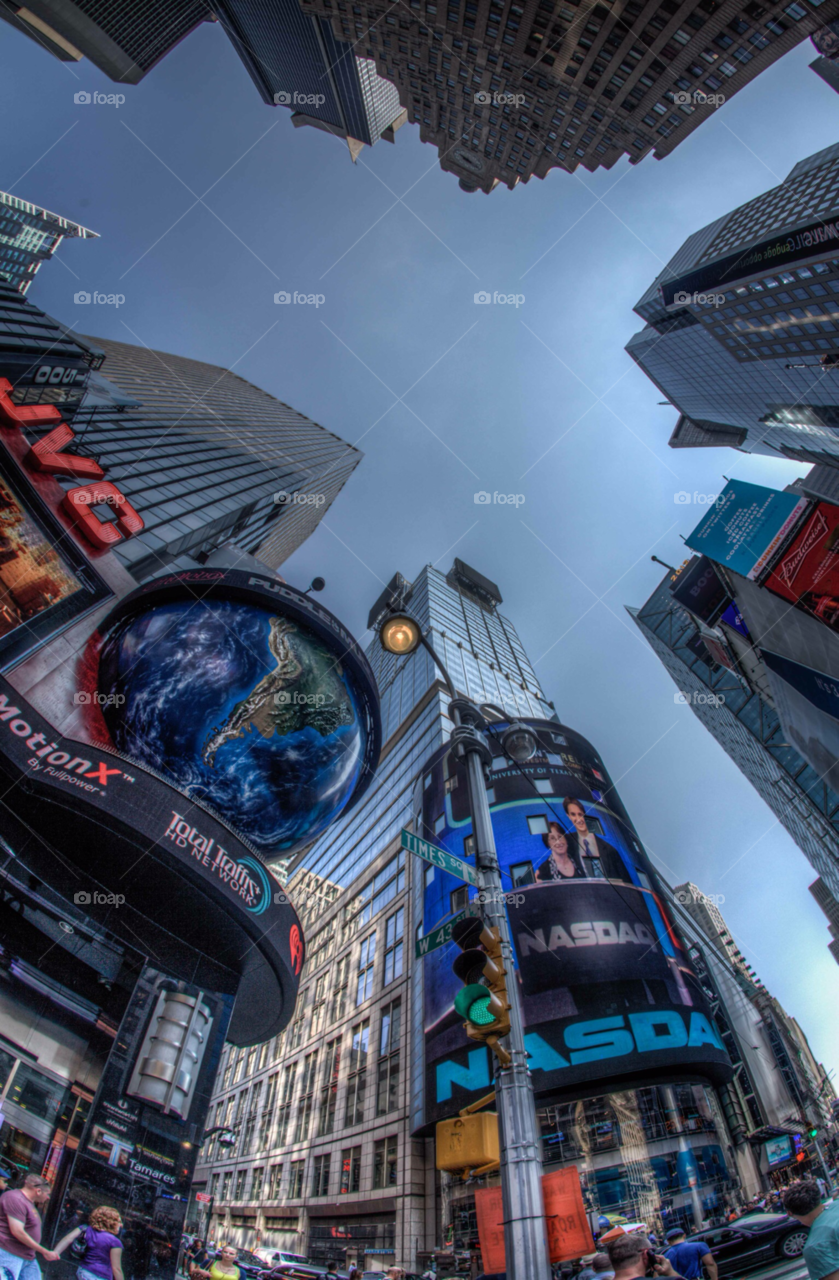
439, 857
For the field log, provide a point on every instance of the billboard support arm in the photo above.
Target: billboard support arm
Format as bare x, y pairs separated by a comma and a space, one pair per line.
521, 1160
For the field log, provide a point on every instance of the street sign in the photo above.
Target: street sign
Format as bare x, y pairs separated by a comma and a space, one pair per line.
202, 1197
438, 937
439, 857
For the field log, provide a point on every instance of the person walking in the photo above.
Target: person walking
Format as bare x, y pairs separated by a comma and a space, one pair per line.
103, 1255
803, 1201
688, 1257
224, 1266
20, 1229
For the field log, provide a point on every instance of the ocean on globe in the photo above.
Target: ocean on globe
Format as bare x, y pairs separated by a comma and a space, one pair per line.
243, 709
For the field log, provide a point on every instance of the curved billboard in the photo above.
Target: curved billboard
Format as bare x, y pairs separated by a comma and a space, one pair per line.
609, 998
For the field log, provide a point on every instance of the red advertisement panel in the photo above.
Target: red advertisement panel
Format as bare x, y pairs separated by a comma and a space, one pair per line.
808, 571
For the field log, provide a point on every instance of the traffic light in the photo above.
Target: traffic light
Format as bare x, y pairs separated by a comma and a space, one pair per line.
814, 1132
483, 1002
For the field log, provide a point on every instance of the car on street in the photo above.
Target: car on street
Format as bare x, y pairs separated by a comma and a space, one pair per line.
751, 1240
302, 1270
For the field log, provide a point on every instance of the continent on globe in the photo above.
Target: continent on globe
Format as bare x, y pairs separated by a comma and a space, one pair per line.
305, 690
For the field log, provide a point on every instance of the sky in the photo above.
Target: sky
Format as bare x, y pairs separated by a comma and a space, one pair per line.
208, 203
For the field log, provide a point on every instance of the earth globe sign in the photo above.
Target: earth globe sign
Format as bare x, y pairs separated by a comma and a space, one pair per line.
247, 695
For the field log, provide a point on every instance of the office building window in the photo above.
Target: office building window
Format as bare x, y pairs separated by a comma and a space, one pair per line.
214, 1181
394, 930
342, 981
275, 1181
350, 1170
319, 1003
307, 1091
329, 1092
241, 1175
225, 1186
295, 1181
295, 1036
387, 1093
320, 1175
256, 1184
357, 1082
366, 965
284, 1109
384, 1163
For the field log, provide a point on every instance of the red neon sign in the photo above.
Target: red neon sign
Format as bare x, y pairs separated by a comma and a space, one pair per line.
48, 456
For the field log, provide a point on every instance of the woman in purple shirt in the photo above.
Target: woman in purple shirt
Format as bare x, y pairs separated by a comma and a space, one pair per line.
103, 1260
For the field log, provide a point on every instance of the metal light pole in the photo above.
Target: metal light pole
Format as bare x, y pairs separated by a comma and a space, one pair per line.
525, 1238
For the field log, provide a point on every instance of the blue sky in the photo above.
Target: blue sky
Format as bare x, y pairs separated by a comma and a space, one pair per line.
209, 202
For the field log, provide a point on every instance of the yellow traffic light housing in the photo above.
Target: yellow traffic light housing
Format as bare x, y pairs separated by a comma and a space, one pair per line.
483, 1001
468, 1142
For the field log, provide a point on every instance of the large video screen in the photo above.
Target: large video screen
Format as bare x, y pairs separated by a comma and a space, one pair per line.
609, 998
45, 581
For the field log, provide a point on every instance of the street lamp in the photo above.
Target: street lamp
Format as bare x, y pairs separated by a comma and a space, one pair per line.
400, 634
521, 1162
519, 742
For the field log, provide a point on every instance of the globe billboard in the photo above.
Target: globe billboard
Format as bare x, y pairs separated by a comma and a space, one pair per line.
609, 998
250, 697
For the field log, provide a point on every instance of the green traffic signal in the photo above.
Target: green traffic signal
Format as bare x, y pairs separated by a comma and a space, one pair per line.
813, 1133
473, 1003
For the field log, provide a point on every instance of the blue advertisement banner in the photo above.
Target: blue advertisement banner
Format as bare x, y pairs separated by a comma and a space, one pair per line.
747, 526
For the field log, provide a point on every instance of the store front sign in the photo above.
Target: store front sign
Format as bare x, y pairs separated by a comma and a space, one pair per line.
48, 457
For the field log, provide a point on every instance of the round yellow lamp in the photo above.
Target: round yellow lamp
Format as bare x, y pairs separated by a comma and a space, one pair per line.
400, 635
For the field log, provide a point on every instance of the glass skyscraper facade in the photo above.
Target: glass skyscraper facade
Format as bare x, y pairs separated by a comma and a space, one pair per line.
123, 38
747, 727
295, 61
30, 235
234, 463
748, 359
203, 456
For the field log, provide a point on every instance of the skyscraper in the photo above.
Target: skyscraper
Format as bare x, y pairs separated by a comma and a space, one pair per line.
122, 39
233, 463
203, 455
742, 325
737, 708
295, 60
508, 90
830, 907
30, 235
